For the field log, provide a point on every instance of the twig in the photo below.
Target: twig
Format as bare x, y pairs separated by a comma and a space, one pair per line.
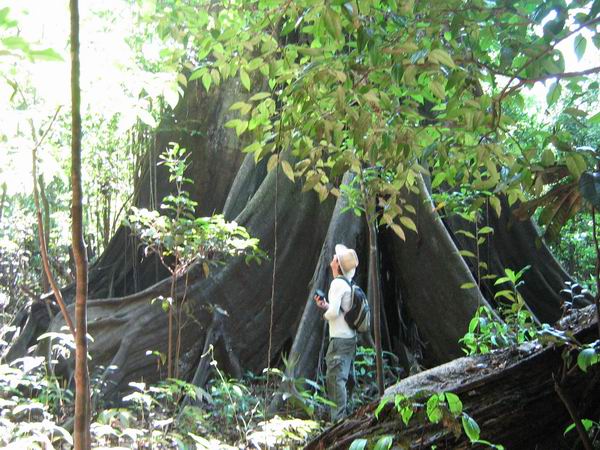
41, 234
587, 444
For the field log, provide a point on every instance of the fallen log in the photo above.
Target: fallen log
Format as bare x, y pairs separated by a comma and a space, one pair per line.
510, 393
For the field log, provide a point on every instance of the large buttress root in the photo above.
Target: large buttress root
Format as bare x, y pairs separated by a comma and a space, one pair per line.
244, 291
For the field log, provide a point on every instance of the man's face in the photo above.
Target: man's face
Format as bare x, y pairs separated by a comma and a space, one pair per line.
335, 265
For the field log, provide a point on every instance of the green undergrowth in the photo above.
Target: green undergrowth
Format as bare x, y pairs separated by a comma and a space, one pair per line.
36, 408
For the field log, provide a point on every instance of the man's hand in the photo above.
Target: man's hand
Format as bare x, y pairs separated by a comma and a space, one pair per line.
321, 303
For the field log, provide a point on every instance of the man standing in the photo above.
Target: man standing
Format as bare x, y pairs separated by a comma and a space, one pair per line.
342, 338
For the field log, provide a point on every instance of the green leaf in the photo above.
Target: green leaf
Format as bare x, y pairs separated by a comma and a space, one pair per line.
399, 231
333, 24
438, 179
358, 444
434, 413
245, 79
595, 119
576, 164
384, 401
587, 358
206, 80
486, 230
580, 45
384, 443
467, 254
406, 413
408, 223
260, 96
287, 170
272, 163
197, 74
467, 285
47, 54
471, 428
15, 43
253, 148
553, 93
437, 89
454, 403
441, 56
495, 203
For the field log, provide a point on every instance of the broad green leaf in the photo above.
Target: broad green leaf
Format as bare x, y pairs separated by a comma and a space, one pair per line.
47, 54
406, 413
441, 56
243, 107
438, 179
333, 24
206, 80
595, 119
399, 231
467, 285
408, 223
575, 112
358, 444
216, 76
241, 126
579, 46
255, 147
466, 233
553, 93
434, 413
311, 182
384, 401
260, 96
548, 158
15, 43
506, 294
273, 160
245, 79
587, 358
437, 89
467, 254
471, 428
384, 443
197, 73
495, 203
576, 164
287, 169
454, 403
486, 230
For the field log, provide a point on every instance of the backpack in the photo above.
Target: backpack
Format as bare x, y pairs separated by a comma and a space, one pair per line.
358, 316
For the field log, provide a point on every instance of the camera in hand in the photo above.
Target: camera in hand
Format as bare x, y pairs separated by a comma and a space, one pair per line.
319, 293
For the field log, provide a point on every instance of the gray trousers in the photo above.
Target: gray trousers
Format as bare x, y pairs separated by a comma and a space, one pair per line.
339, 358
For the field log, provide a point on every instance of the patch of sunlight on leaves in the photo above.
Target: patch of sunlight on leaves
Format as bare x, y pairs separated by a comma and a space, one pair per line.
280, 430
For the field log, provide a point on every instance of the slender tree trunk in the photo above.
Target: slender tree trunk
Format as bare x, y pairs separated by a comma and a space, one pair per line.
47, 271
82, 388
43, 234
46, 213
374, 292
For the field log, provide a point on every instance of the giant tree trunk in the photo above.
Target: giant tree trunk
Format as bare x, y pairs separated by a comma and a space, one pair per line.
515, 244
424, 312
510, 393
